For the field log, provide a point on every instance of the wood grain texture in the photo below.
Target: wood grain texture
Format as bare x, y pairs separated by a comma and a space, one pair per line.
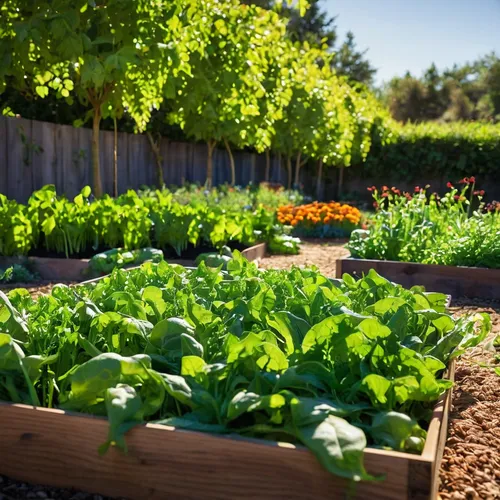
453, 280
49, 446
65, 159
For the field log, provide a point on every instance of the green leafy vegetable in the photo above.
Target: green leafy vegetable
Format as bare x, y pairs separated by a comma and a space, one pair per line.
336, 365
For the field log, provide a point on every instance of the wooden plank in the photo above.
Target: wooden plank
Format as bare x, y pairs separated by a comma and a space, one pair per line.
164, 462
4, 155
122, 162
56, 269
255, 252
18, 159
453, 280
81, 155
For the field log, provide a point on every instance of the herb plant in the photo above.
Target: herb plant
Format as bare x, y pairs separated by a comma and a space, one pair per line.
336, 365
455, 229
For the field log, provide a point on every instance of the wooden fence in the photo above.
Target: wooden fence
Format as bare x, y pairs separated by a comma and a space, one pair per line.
34, 153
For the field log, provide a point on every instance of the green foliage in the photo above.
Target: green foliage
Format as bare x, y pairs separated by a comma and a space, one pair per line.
17, 274
105, 262
284, 355
469, 91
167, 219
439, 150
452, 230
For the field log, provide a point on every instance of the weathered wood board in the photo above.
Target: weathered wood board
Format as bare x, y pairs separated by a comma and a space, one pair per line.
474, 282
75, 269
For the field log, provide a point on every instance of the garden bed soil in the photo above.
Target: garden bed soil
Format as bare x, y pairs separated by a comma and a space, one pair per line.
472, 282
62, 269
313, 252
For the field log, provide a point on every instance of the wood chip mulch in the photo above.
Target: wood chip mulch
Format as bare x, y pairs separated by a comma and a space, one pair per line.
320, 253
471, 463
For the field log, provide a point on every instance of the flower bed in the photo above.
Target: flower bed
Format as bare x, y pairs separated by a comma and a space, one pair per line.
285, 355
321, 220
458, 229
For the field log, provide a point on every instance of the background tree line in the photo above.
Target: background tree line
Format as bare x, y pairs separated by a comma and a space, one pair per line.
469, 91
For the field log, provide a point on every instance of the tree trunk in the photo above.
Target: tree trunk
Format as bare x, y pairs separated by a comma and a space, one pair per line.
210, 151
115, 159
319, 180
297, 171
289, 168
158, 160
96, 169
341, 181
268, 166
231, 162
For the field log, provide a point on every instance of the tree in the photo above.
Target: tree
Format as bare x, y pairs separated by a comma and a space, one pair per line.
350, 62
467, 91
108, 55
318, 29
223, 99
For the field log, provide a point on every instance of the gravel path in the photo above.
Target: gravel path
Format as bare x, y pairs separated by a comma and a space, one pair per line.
471, 464
313, 253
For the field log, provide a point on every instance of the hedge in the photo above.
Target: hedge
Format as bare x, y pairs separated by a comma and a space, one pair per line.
452, 150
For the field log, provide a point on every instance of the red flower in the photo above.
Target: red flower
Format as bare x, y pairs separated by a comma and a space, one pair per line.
373, 188
465, 180
417, 189
472, 180
385, 195
385, 188
449, 185
408, 196
375, 204
479, 193
396, 191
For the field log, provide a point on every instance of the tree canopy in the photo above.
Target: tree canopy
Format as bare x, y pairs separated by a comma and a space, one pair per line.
464, 92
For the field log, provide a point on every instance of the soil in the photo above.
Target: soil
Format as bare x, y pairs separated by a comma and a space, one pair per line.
314, 252
470, 468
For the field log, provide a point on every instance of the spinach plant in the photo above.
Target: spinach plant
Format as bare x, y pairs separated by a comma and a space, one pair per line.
336, 365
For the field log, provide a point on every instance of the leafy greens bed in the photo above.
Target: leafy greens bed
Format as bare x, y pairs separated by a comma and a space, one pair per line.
287, 355
169, 220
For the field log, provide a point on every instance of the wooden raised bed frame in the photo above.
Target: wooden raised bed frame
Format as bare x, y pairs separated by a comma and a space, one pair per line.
58, 448
475, 282
74, 269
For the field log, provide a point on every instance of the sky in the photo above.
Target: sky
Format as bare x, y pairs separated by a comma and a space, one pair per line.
403, 35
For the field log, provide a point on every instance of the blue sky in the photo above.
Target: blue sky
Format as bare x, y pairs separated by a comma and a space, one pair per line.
411, 34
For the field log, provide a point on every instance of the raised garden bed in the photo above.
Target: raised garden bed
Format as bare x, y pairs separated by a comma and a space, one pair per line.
60, 449
61, 269
163, 461
474, 282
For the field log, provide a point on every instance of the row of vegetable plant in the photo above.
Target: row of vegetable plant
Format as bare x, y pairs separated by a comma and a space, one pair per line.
336, 365
457, 229
168, 220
